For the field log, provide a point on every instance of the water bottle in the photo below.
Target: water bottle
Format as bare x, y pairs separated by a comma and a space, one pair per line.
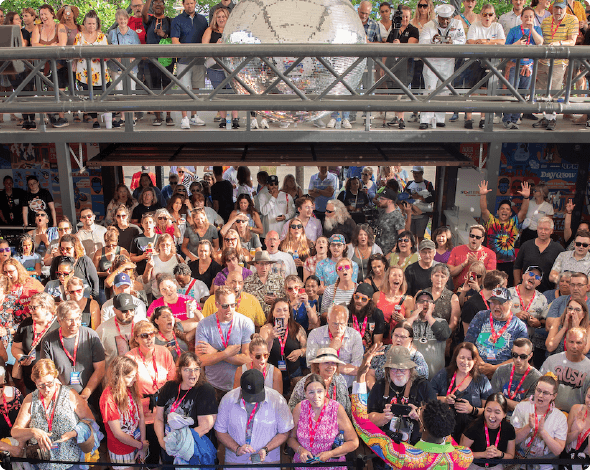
338, 122
295, 255
228, 124
339, 440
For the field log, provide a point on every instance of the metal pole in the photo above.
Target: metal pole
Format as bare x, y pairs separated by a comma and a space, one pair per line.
493, 167
66, 188
299, 176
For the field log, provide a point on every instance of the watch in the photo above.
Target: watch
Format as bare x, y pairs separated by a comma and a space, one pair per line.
265, 449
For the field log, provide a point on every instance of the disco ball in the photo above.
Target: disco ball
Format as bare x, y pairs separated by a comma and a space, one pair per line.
294, 22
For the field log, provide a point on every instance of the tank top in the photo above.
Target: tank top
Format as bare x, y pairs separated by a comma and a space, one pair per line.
275, 354
49, 42
105, 263
442, 305
87, 315
215, 36
71, 35
270, 371
387, 306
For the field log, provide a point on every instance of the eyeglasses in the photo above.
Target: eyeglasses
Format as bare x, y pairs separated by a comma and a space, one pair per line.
296, 226
400, 336
226, 306
89, 216
574, 309
361, 298
520, 356
404, 240
121, 216
477, 237
487, 15
4, 250
536, 276
329, 212
260, 356
344, 267
585, 245
292, 288
62, 273
189, 370
544, 393
228, 240
147, 335
46, 385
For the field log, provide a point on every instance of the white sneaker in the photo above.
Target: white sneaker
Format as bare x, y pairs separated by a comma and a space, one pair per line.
185, 123
497, 119
346, 124
197, 121
319, 123
254, 123
264, 123
284, 125
331, 123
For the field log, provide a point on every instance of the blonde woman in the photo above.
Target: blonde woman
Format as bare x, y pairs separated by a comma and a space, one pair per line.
393, 301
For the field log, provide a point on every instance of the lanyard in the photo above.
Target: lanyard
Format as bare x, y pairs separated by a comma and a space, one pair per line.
341, 341
37, 336
312, 428
485, 302
190, 287
50, 419
536, 429
493, 336
528, 39
582, 437
155, 379
553, 31
485, 427
263, 371
176, 346
283, 341
511, 395
362, 330
7, 418
132, 408
251, 417
333, 387
178, 401
70, 357
526, 309
224, 341
452, 390
121, 334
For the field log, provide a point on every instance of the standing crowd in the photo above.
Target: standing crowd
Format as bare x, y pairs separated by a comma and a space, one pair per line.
238, 320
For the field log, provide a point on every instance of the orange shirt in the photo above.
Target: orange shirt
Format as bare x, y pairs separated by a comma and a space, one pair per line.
150, 383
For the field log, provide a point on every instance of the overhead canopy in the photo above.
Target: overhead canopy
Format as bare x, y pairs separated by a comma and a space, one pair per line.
293, 154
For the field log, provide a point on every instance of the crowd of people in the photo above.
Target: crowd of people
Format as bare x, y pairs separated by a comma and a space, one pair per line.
564, 23
244, 320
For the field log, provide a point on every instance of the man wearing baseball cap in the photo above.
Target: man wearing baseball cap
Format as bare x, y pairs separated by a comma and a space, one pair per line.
493, 331
418, 274
417, 188
253, 421
123, 285
444, 30
394, 219
116, 332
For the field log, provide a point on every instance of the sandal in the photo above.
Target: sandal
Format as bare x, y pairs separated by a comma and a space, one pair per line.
77, 118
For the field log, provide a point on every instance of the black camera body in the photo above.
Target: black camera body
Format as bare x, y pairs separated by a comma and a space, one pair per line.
396, 24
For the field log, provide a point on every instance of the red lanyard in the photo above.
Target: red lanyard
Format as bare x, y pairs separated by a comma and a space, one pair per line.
355, 323
40, 335
312, 428
528, 39
73, 359
553, 31
251, 417
512, 395
190, 287
155, 379
263, 371
177, 347
5, 410
485, 427
50, 419
132, 407
283, 341
485, 301
536, 429
121, 334
493, 336
178, 401
525, 309
582, 437
341, 341
224, 341
452, 390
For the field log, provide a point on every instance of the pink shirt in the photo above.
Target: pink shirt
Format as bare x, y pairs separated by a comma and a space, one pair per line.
151, 381
179, 309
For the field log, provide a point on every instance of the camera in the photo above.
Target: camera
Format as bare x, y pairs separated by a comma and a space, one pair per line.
396, 24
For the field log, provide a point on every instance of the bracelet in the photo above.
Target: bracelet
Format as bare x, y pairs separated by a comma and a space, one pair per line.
265, 449
502, 455
474, 411
237, 448
298, 447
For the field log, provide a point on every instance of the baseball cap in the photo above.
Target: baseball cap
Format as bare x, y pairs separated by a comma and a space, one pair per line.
534, 268
424, 292
418, 169
365, 289
252, 384
560, 4
501, 294
337, 238
122, 279
388, 193
426, 245
123, 302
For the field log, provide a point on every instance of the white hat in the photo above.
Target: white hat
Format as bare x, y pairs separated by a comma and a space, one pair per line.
444, 10
418, 169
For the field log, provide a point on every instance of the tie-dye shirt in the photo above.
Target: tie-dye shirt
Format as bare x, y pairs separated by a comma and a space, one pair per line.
501, 237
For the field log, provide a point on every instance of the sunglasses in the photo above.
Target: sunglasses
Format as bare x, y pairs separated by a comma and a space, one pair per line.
4, 250
487, 15
121, 216
77, 291
226, 306
344, 267
477, 237
273, 184
293, 288
230, 240
180, 172
422, 5
404, 240
260, 356
147, 335
40, 214
536, 276
163, 218
62, 274
87, 216
521, 356
361, 298
240, 221
172, 183
329, 212
585, 245
296, 226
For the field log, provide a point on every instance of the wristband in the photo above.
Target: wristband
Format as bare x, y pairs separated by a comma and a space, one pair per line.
237, 448
265, 449
297, 451
502, 455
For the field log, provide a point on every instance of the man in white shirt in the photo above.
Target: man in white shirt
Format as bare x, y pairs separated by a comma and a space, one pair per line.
284, 264
512, 18
122, 285
276, 206
90, 235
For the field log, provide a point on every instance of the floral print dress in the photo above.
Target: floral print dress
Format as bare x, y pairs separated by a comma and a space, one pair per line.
81, 65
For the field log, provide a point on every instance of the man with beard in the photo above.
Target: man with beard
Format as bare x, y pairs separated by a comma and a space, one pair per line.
115, 333
338, 220
365, 317
493, 332
531, 307
462, 256
313, 227
392, 220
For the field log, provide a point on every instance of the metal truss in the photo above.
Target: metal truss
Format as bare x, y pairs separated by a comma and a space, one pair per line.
500, 95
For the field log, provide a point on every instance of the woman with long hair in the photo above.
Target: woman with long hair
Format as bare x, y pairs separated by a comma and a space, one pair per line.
377, 271
575, 314
244, 179
179, 214
250, 242
170, 331
122, 196
442, 238
321, 253
205, 268
122, 264
19, 287
326, 269
122, 413
291, 187
305, 306
297, 244
423, 14
90, 308
446, 303
393, 301
199, 229
354, 199
578, 423
148, 202
362, 246
103, 260
258, 349
127, 231
405, 251
385, 22
342, 290
145, 181
245, 205
165, 223
26, 255
163, 261
231, 262
461, 386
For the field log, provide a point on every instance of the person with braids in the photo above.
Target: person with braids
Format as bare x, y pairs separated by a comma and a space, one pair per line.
436, 449
122, 413
273, 378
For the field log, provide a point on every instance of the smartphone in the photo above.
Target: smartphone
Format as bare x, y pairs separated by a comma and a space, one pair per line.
280, 322
400, 410
172, 343
24, 358
255, 458
302, 291
472, 277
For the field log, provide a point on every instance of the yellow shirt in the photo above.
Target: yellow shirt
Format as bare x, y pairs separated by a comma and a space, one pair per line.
568, 26
249, 306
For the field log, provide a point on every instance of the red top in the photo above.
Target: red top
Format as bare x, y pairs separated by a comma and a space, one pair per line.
129, 422
136, 24
459, 255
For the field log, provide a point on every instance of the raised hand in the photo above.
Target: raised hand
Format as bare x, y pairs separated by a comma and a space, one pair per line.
569, 206
483, 188
525, 191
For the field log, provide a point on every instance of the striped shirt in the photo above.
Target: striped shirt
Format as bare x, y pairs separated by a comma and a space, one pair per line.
569, 25
341, 297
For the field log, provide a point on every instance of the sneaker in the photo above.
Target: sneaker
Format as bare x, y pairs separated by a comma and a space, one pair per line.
454, 117
506, 124
482, 123
402, 124
519, 121
157, 122
497, 119
169, 121
235, 123
32, 126
185, 123
423, 126
532, 117
468, 124
284, 125
264, 124
96, 125
60, 122
217, 118
551, 125
513, 125
117, 124
346, 124
223, 124
26, 125
331, 123
413, 118
139, 115
197, 121
440, 124
318, 123
542, 123
254, 123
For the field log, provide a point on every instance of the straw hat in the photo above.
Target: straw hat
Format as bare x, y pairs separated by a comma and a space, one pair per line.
326, 355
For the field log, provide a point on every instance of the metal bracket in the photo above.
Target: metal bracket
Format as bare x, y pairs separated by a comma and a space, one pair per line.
78, 160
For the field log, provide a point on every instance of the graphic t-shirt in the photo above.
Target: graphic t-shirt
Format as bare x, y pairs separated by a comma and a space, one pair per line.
571, 376
501, 237
39, 202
